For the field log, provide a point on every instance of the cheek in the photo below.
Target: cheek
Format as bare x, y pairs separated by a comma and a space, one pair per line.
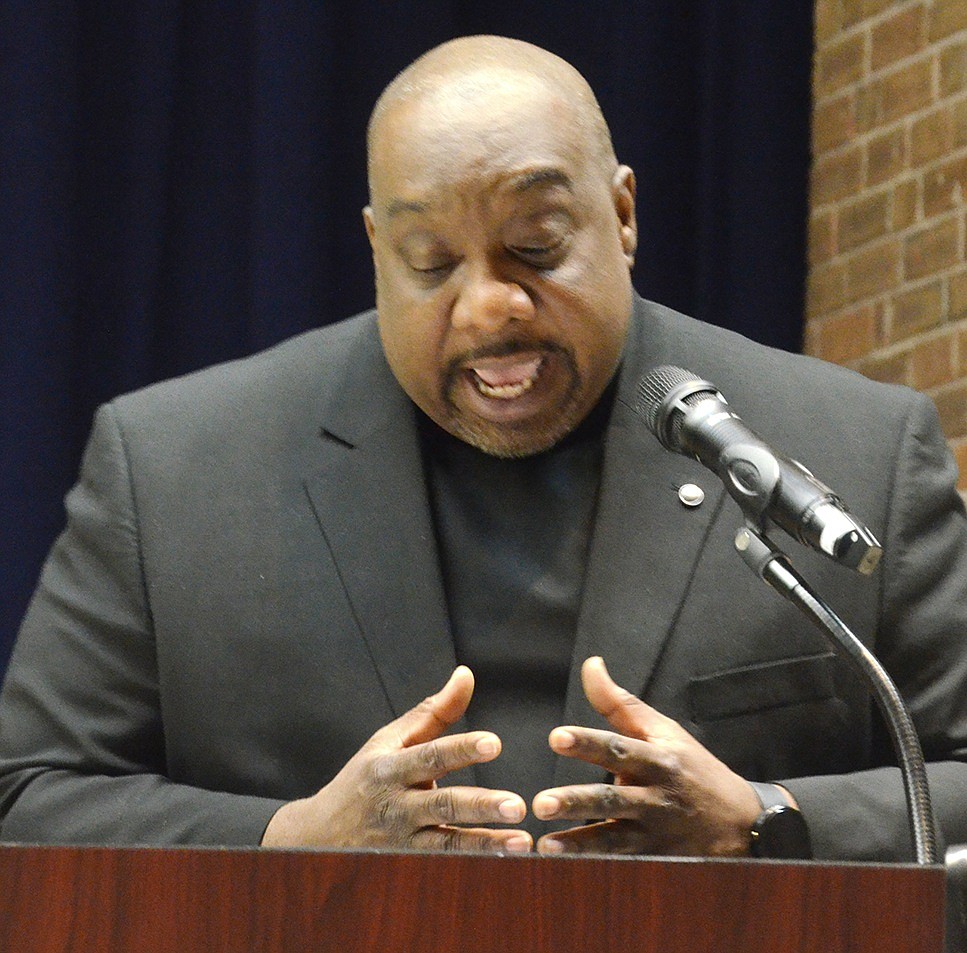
594, 299
413, 343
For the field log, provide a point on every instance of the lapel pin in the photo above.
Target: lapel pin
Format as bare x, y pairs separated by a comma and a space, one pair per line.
691, 494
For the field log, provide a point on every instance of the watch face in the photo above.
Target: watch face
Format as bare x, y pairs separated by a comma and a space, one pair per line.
781, 832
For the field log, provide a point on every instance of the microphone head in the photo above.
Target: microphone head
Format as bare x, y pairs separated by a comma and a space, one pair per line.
663, 395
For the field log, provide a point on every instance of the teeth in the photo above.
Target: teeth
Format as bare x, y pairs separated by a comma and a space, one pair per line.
504, 391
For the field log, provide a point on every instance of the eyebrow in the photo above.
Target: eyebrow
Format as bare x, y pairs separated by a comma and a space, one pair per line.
399, 206
540, 177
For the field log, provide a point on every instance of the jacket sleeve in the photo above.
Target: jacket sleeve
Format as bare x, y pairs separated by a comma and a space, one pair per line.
82, 744
921, 639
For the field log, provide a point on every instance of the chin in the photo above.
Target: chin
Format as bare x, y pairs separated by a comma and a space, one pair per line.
513, 442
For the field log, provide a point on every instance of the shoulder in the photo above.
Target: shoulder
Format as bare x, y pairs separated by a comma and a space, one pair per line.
273, 402
862, 437
298, 376
768, 384
311, 360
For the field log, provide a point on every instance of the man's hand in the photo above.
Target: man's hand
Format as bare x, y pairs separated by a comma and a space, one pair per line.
670, 796
386, 795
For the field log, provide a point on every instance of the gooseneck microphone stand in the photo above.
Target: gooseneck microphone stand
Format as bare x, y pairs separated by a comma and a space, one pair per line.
772, 565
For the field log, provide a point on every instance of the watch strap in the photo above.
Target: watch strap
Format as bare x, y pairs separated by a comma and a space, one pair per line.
780, 831
770, 795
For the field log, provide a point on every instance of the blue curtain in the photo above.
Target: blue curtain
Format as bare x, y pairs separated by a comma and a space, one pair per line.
181, 183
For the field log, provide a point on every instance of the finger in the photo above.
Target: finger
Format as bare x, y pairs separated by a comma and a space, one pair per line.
462, 805
422, 763
432, 716
472, 839
611, 801
607, 837
625, 711
617, 754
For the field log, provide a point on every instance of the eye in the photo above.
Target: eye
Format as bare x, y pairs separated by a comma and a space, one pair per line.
430, 275
433, 270
543, 255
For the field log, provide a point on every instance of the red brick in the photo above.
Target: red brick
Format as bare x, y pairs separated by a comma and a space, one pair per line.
952, 407
873, 271
932, 363
916, 310
863, 221
836, 176
960, 455
905, 199
945, 187
828, 19
886, 155
897, 37
822, 237
946, 18
953, 69
840, 64
932, 249
834, 123
938, 133
894, 369
855, 11
957, 309
848, 336
826, 289
895, 95
906, 89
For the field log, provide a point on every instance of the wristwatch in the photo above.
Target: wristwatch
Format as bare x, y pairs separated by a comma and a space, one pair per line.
780, 831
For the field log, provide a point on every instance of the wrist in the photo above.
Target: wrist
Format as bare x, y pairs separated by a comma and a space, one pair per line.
780, 830
285, 826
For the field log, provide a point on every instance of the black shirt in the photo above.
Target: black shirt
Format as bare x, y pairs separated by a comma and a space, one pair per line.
513, 537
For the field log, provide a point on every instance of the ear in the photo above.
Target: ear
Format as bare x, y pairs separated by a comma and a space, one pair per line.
623, 190
370, 227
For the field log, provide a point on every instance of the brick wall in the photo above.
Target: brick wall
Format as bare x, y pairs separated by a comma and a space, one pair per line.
887, 290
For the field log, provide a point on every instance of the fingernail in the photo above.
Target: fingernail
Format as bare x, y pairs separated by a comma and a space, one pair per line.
562, 739
518, 844
551, 847
511, 810
487, 747
547, 805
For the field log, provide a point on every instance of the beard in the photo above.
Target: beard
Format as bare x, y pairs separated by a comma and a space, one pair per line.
524, 438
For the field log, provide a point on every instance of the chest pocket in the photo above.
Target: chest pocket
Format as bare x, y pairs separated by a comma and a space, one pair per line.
778, 719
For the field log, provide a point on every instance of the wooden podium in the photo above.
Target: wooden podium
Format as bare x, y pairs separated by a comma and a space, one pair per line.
216, 900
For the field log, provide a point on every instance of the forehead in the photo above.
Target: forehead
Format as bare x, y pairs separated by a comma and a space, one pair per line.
477, 135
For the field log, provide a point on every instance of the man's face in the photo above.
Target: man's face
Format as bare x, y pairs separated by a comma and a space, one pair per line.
502, 246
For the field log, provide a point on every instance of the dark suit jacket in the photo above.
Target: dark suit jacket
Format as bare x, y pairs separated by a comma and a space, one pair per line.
248, 586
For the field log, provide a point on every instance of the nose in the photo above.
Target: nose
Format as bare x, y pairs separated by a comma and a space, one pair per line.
487, 301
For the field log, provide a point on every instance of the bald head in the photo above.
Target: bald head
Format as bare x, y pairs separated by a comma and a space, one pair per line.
503, 233
461, 73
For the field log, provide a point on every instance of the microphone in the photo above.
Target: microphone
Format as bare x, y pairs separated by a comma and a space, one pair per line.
689, 416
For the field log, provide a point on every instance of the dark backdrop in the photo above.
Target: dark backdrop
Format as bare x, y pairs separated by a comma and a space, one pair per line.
180, 183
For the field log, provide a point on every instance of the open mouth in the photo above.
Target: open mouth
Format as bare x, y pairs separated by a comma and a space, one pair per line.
513, 399
507, 377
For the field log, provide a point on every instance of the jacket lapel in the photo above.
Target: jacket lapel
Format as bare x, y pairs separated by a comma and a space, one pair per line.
645, 546
369, 497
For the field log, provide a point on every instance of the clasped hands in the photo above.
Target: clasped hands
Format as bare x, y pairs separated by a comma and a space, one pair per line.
670, 795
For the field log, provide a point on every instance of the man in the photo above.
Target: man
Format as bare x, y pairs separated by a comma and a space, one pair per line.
269, 564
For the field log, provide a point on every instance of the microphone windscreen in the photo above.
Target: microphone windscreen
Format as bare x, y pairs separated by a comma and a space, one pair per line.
660, 391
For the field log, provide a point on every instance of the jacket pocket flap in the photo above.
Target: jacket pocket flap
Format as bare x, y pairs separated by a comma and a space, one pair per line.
756, 688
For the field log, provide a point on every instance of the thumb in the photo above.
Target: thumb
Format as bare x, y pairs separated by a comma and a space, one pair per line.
623, 710
432, 716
